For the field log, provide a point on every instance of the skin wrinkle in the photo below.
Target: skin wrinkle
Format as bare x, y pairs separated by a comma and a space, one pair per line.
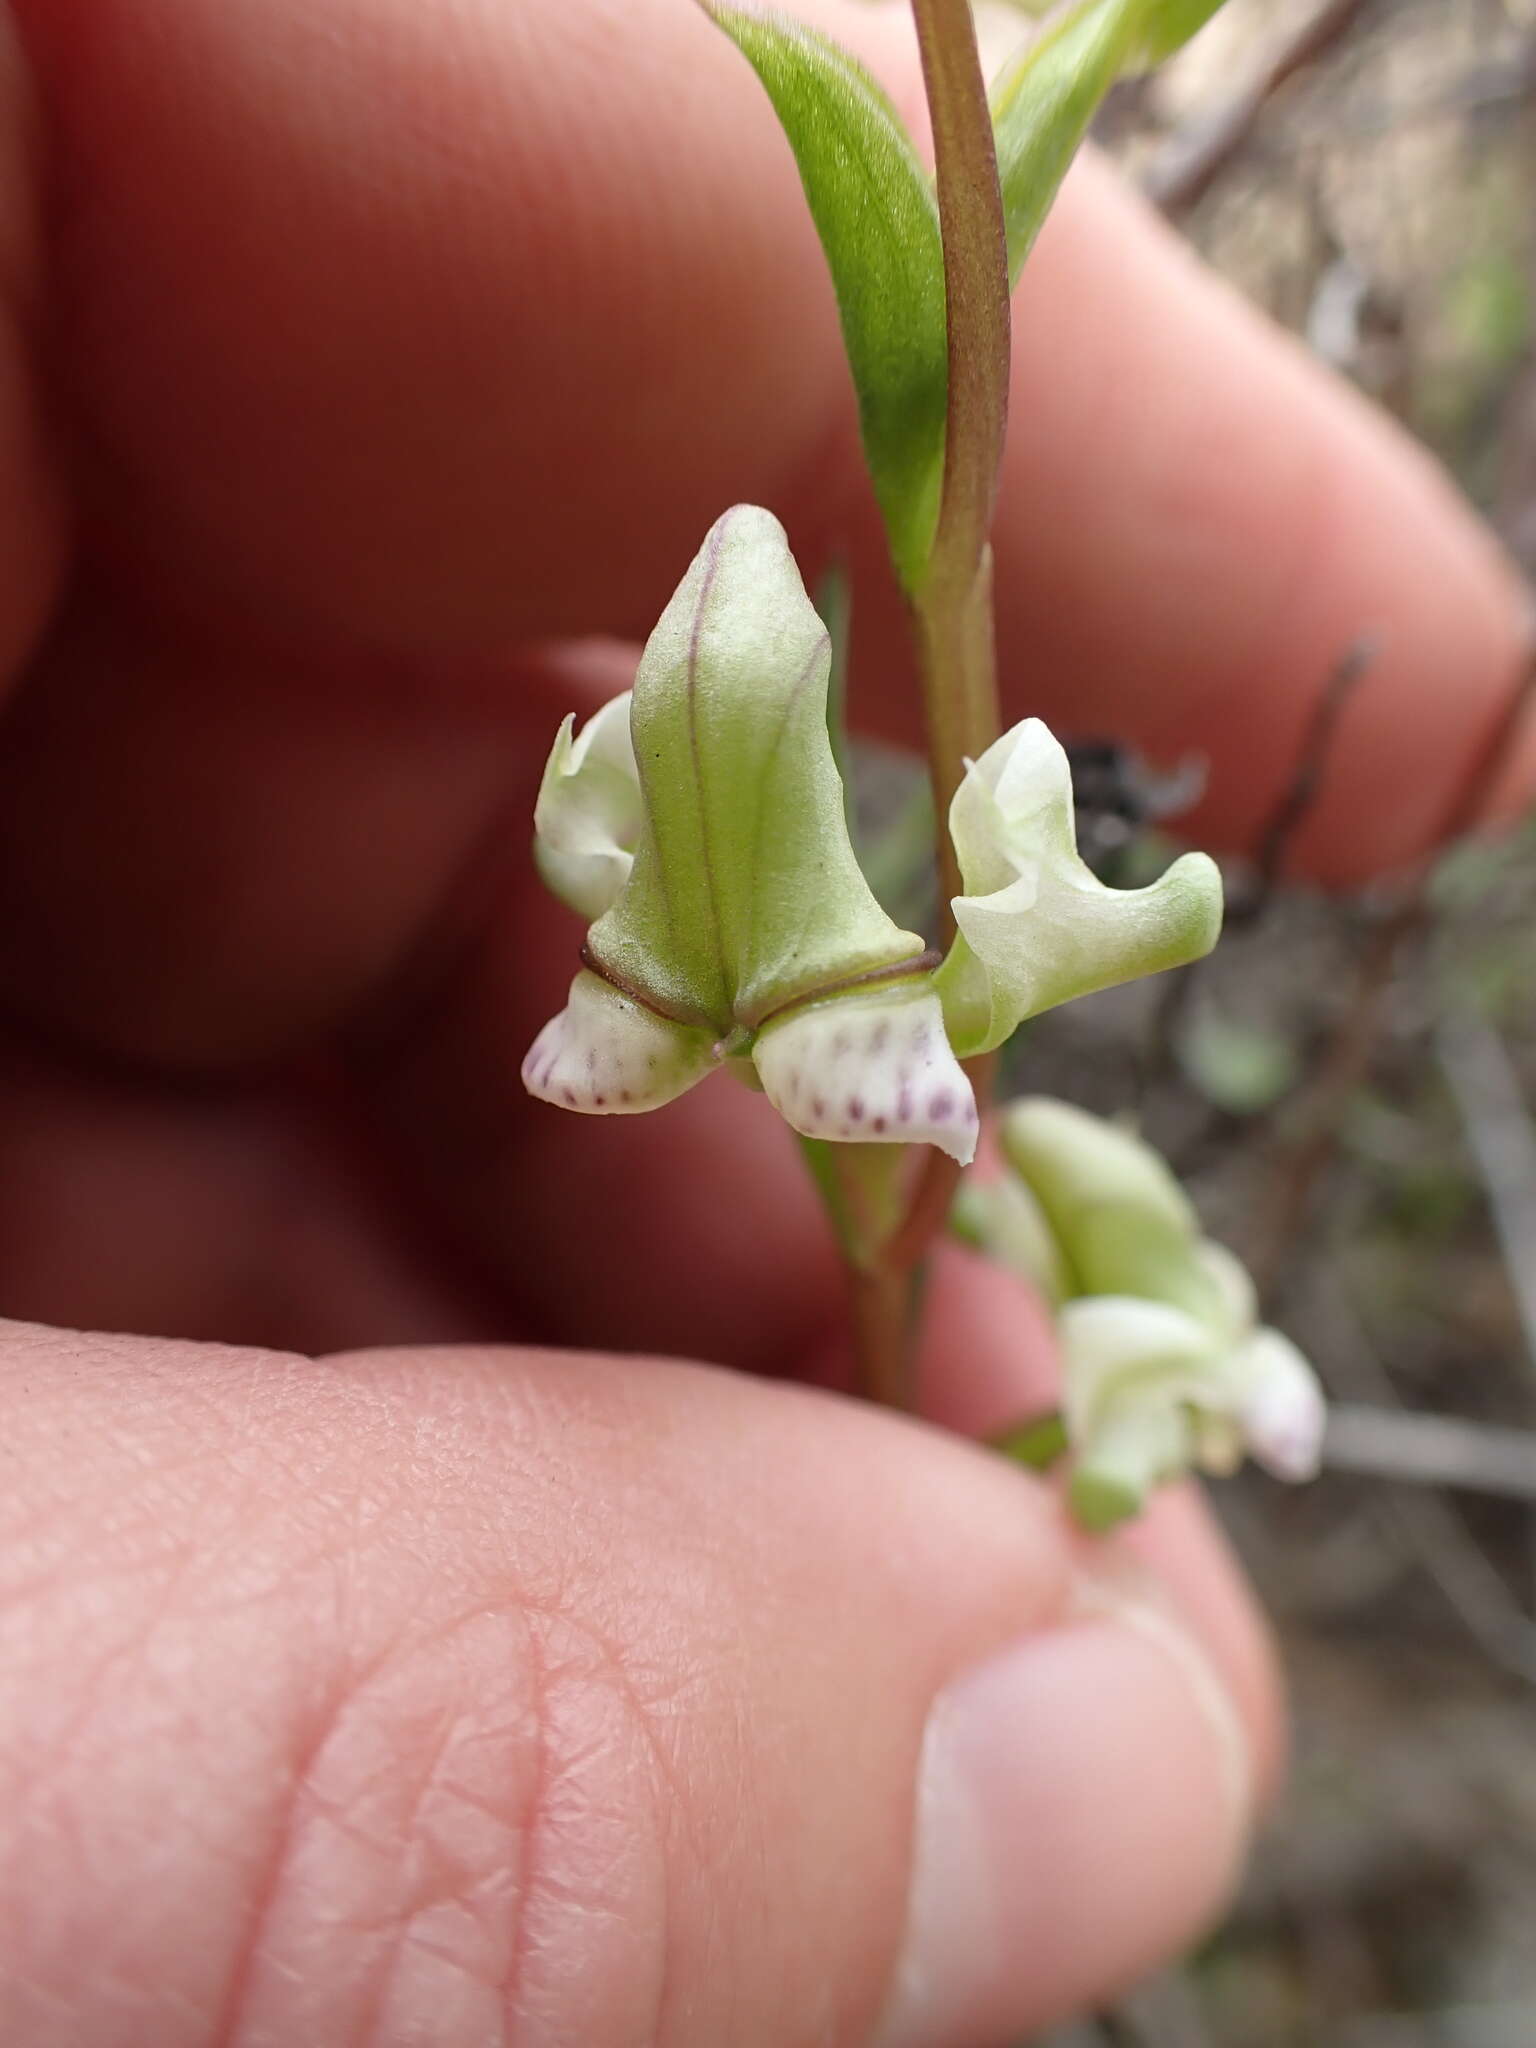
254, 2005
228, 2025
388, 1972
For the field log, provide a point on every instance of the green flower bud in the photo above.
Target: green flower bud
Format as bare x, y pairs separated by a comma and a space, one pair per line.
1121, 1220
1037, 927
1003, 1219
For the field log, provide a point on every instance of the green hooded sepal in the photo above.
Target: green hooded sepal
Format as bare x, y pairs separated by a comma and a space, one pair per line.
745, 896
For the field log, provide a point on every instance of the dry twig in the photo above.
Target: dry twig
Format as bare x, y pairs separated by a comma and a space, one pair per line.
1348, 1057
1192, 161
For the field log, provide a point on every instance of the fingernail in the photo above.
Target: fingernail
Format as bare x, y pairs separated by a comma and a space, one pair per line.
1083, 1803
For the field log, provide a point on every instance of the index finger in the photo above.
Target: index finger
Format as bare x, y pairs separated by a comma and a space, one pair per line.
433, 330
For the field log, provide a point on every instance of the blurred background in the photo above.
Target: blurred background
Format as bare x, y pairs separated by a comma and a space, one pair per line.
1349, 1088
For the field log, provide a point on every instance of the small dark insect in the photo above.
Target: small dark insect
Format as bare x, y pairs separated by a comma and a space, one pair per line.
1117, 795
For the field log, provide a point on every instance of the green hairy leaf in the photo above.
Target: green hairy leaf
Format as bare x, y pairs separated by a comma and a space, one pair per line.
878, 221
1044, 100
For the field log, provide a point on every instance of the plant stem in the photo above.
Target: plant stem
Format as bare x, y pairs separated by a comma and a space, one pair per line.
952, 629
952, 607
975, 286
884, 1324
952, 610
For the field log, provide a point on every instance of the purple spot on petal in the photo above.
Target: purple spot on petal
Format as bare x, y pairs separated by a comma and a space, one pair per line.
840, 1042
599, 1102
941, 1106
881, 1036
570, 1096
904, 1106
879, 1123
856, 1109
625, 1096
818, 1109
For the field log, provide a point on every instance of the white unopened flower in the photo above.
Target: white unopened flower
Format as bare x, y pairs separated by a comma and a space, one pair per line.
1165, 1367
1151, 1392
1037, 926
588, 815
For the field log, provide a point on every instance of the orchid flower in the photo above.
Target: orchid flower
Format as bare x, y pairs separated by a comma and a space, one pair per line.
699, 824
734, 925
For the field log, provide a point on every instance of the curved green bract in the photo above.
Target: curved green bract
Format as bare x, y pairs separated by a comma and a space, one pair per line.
1167, 24
875, 212
1043, 102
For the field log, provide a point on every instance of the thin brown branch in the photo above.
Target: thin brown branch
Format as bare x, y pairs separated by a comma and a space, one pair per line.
1275, 837
1192, 161
1502, 1140
1278, 832
1348, 1057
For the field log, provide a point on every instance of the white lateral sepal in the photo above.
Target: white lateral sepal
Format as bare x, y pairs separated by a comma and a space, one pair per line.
588, 815
870, 1065
1280, 1406
607, 1055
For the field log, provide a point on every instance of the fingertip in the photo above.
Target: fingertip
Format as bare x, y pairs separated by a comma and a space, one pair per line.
1211, 536
987, 1359
1179, 1541
1083, 1808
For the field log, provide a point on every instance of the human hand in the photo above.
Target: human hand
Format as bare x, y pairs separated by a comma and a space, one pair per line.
354, 351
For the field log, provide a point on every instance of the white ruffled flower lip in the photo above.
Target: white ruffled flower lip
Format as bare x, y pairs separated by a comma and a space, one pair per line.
1037, 926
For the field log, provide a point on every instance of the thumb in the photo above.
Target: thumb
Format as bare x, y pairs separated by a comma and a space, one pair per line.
449, 1697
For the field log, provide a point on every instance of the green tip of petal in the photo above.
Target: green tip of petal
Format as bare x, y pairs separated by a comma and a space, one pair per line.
1100, 1501
1037, 1444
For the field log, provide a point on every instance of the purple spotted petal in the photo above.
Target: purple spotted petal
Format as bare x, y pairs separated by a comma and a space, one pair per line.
873, 1065
607, 1055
